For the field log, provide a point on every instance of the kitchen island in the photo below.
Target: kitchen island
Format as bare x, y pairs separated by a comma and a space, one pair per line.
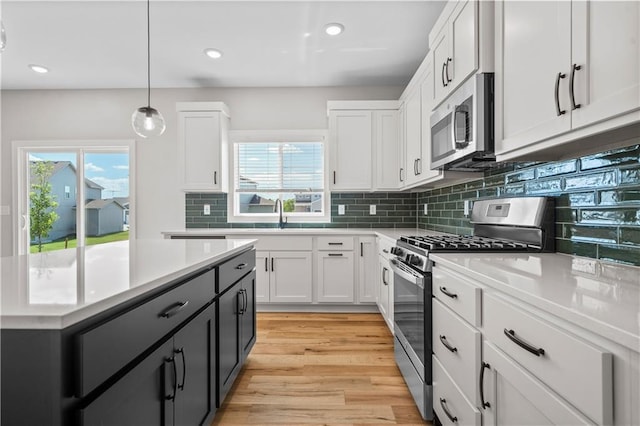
139, 332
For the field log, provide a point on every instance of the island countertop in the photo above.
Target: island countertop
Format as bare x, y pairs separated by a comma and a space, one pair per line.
54, 290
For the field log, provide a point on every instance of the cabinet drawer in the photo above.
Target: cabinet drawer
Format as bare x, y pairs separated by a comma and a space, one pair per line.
334, 243
577, 370
457, 346
105, 349
450, 405
459, 294
384, 247
234, 269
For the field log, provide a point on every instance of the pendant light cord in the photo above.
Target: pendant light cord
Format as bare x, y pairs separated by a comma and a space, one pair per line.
148, 57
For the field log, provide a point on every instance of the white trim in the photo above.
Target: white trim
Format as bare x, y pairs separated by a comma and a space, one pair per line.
79, 148
259, 136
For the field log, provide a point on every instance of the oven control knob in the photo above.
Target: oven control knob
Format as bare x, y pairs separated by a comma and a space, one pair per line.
396, 251
414, 260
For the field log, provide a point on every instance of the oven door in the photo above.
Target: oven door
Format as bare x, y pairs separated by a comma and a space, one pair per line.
409, 313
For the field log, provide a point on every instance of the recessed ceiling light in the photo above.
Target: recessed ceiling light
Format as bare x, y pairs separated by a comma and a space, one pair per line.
39, 68
213, 53
333, 29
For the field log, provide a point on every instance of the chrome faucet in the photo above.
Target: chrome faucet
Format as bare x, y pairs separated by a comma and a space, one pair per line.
281, 223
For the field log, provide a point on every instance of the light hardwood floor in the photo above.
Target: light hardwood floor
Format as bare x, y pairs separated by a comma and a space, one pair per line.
320, 369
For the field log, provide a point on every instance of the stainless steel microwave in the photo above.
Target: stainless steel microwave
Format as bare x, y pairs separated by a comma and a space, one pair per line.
462, 129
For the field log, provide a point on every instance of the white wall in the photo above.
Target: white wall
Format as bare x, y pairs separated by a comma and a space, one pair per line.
106, 114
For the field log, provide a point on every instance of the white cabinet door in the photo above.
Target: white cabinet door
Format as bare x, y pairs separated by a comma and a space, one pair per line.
202, 150
262, 276
367, 270
336, 276
413, 135
385, 291
291, 277
387, 140
515, 397
441, 59
605, 45
532, 65
426, 106
351, 140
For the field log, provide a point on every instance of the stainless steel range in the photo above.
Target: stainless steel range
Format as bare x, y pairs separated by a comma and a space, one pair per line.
517, 225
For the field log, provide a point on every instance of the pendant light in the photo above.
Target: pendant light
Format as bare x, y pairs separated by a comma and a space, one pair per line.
147, 121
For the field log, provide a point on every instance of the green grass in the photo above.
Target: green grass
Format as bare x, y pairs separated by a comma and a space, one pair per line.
71, 243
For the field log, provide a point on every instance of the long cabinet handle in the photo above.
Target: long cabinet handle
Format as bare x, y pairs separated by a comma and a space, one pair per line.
173, 309
266, 264
482, 401
447, 70
448, 293
172, 397
401, 173
444, 83
443, 404
575, 68
384, 272
184, 367
559, 111
524, 345
215, 178
446, 344
361, 249
272, 265
419, 161
334, 177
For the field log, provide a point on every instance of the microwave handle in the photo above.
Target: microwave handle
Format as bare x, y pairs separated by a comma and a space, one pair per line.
454, 119
453, 128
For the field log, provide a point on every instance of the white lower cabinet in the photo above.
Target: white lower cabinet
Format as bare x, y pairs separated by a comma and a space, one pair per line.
449, 403
367, 276
335, 276
513, 396
284, 277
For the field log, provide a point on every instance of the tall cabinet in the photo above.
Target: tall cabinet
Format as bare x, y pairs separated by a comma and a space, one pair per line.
203, 143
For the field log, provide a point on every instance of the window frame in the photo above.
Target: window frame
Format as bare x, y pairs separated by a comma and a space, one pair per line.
278, 136
21, 171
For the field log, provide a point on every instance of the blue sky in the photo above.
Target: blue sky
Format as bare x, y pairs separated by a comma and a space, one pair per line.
109, 170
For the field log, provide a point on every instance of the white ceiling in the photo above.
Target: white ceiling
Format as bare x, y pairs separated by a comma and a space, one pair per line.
102, 44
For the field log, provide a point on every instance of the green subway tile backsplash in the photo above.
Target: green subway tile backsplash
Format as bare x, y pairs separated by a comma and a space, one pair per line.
597, 201
597, 204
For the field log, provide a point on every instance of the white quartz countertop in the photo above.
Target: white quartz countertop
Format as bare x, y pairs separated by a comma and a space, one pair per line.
599, 296
54, 290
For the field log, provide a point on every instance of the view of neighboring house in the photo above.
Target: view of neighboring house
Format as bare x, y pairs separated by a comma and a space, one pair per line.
104, 216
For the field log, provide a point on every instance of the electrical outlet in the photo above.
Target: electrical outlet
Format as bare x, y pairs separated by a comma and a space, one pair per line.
426, 209
207, 210
341, 209
372, 209
467, 205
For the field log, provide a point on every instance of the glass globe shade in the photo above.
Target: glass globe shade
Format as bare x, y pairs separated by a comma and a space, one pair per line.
147, 122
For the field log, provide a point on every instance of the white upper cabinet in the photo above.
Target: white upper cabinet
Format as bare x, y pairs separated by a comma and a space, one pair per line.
413, 135
203, 129
364, 139
455, 47
564, 71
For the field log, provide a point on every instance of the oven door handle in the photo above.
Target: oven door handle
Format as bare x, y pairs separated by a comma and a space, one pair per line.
412, 278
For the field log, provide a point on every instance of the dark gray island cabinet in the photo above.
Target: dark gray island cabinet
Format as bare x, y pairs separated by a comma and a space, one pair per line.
166, 357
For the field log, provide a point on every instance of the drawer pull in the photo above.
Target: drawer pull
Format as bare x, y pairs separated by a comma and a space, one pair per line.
335, 254
524, 345
241, 266
173, 309
170, 397
184, 367
446, 344
482, 401
385, 251
447, 293
443, 404
335, 244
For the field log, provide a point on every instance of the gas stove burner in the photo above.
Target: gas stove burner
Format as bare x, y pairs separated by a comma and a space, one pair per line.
465, 243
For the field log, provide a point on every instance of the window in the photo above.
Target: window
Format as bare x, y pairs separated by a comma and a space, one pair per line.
71, 194
288, 166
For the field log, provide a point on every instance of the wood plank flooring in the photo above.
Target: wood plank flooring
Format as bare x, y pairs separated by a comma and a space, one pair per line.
320, 369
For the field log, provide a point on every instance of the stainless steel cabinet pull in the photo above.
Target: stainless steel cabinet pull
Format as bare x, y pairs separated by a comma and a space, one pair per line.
447, 70
419, 161
173, 309
557, 94
524, 345
171, 397
184, 367
482, 401
446, 344
447, 293
575, 68
444, 83
335, 254
384, 272
241, 266
443, 404
401, 173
